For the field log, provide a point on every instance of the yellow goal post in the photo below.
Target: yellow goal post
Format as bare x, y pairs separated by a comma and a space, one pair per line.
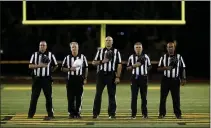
103, 24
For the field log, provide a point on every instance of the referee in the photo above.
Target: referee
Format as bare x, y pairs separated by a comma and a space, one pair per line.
171, 63
42, 63
140, 64
107, 59
76, 78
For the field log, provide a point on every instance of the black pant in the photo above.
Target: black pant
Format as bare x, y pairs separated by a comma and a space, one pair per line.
75, 94
139, 82
102, 80
38, 84
173, 85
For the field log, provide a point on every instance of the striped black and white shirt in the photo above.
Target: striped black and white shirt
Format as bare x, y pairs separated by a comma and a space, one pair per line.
36, 59
165, 61
112, 64
141, 70
68, 63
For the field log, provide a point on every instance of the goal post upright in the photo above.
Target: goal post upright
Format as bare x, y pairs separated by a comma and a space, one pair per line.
24, 10
102, 35
183, 10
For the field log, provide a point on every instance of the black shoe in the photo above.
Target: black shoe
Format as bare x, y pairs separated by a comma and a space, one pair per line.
30, 117
95, 116
71, 116
133, 117
161, 116
144, 116
178, 116
78, 116
49, 117
112, 117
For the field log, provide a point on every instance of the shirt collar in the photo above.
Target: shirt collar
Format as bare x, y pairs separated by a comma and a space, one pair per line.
140, 54
43, 52
109, 49
74, 56
171, 55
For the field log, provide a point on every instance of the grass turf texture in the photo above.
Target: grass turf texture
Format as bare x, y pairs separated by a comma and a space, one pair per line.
195, 107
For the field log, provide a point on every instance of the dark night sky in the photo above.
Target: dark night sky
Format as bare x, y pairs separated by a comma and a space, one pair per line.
193, 38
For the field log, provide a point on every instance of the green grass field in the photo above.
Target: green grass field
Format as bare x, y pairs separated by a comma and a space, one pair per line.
195, 105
